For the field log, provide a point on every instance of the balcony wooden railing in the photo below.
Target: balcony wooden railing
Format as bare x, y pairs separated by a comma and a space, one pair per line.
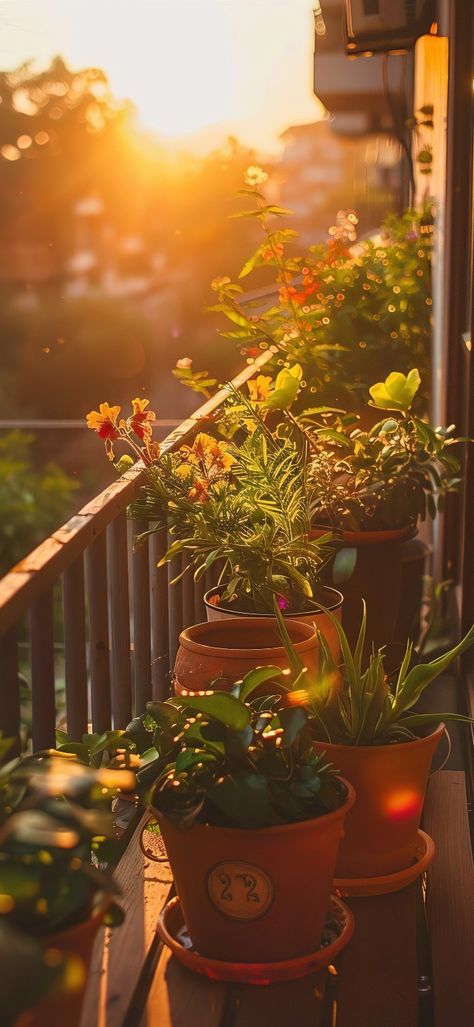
121, 618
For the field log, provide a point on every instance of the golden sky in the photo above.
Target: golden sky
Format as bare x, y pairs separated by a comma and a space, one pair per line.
196, 69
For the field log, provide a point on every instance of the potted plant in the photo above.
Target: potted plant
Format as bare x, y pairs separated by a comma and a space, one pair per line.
373, 487
347, 311
240, 507
367, 724
244, 803
225, 650
54, 821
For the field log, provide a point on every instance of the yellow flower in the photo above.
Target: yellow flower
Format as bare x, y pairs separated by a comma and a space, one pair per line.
255, 175
259, 388
104, 421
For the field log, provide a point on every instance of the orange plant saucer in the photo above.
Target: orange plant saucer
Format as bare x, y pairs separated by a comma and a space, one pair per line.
351, 887
337, 932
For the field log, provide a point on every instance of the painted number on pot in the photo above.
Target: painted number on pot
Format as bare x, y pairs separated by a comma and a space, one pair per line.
240, 890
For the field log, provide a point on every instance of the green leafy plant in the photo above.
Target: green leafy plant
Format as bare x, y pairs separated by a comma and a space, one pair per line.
108, 749
217, 760
33, 501
245, 508
54, 817
351, 704
347, 312
389, 476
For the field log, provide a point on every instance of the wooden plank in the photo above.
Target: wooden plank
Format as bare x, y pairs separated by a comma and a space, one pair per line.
159, 617
175, 605
29, 578
10, 690
121, 671
377, 972
188, 595
199, 609
450, 900
179, 998
142, 691
42, 672
75, 649
96, 572
292, 1002
121, 954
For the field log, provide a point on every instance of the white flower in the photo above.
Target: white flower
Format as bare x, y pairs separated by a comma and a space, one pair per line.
255, 175
184, 362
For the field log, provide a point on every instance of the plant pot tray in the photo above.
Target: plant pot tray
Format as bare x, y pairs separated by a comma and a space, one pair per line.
337, 933
366, 886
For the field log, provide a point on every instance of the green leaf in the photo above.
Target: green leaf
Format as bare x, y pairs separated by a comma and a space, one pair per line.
255, 678
343, 565
220, 706
409, 691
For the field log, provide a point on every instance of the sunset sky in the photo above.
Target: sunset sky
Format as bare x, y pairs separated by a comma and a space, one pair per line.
198, 69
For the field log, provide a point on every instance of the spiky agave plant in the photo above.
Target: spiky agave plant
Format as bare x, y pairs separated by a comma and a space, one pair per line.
350, 704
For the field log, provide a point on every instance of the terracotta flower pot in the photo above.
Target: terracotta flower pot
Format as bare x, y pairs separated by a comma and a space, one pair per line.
377, 578
390, 781
329, 597
256, 895
63, 1008
228, 649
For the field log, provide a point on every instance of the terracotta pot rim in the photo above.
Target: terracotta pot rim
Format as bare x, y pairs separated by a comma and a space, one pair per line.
332, 605
390, 745
266, 652
298, 825
371, 536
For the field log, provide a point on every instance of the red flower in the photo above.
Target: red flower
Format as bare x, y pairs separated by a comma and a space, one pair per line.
142, 419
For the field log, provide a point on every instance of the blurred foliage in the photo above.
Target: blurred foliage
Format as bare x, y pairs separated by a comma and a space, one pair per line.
55, 817
33, 502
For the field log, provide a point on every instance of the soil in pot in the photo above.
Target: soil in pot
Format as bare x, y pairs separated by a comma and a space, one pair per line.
63, 1009
380, 835
227, 649
256, 895
329, 597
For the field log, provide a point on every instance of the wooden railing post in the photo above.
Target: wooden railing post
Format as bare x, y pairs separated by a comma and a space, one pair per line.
142, 690
119, 621
10, 690
159, 617
43, 699
75, 649
175, 604
96, 576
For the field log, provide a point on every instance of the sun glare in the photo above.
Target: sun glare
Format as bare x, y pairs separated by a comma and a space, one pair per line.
190, 67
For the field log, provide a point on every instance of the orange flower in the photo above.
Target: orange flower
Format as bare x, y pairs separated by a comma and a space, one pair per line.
199, 490
209, 455
259, 388
142, 419
104, 421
